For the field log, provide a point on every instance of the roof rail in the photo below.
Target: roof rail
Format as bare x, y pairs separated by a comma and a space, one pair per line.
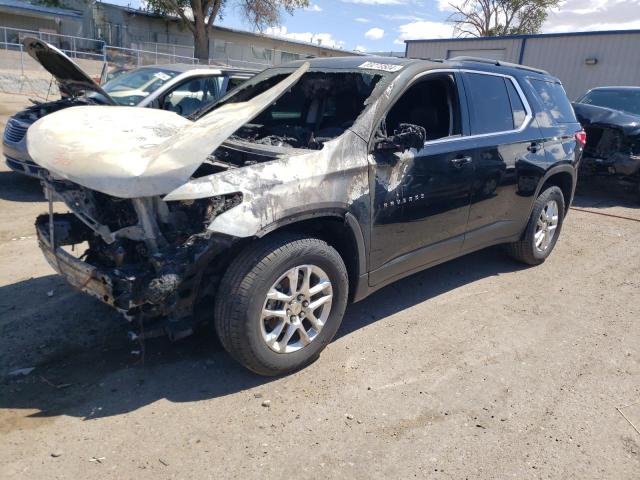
499, 63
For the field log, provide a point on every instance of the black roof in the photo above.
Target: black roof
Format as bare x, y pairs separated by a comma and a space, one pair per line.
349, 62
428, 64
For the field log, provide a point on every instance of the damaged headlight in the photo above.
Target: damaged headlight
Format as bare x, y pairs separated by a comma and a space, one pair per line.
188, 217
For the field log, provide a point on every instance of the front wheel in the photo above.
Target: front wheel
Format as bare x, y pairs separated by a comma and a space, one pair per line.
543, 228
281, 302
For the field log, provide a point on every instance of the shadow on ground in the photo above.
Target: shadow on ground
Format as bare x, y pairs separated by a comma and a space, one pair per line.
16, 187
605, 192
98, 376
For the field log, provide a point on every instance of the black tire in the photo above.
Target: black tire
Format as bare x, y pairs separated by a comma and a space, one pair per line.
525, 249
243, 291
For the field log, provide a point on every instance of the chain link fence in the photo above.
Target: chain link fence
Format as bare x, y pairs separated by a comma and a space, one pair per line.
227, 53
20, 74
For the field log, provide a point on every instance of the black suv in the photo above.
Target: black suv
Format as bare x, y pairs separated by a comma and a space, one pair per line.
314, 183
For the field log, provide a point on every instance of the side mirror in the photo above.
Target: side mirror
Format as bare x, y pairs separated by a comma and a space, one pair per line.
386, 145
406, 136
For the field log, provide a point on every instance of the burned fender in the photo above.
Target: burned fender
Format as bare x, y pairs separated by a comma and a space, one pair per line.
272, 191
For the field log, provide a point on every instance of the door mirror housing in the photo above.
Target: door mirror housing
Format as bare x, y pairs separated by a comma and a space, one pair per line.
386, 145
406, 136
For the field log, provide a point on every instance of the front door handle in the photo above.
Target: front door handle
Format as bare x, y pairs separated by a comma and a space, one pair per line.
460, 161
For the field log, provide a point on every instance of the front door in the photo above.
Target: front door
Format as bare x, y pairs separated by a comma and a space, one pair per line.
421, 197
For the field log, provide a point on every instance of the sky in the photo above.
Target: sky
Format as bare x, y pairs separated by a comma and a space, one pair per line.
383, 25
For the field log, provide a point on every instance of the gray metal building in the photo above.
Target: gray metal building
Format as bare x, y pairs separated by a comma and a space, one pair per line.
582, 60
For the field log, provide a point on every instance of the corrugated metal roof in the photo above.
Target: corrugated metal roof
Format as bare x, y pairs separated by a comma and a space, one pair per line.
53, 11
515, 37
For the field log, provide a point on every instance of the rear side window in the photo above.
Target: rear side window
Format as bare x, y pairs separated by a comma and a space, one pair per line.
490, 103
554, 100
517, 107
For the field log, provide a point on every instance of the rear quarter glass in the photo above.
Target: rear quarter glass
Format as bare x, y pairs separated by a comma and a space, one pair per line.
554, 99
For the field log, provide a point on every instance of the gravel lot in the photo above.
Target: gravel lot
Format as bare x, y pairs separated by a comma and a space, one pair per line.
478, 368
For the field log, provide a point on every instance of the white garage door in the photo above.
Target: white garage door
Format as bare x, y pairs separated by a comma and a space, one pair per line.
493, 53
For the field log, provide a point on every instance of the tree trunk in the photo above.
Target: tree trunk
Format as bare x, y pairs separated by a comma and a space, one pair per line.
201, 43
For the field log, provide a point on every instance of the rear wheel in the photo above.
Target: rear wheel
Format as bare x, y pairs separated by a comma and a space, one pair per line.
281, 302
543, 229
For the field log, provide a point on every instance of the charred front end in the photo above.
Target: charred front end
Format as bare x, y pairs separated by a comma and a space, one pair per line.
613, 142
143, 256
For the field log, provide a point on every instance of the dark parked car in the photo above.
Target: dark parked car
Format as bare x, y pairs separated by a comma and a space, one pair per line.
181, 88
312, 184
611, 118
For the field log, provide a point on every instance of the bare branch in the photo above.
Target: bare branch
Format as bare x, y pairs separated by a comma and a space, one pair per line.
499, 17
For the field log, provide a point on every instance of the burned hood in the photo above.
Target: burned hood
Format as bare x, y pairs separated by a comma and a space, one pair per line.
131, 152
594, 115
67, 73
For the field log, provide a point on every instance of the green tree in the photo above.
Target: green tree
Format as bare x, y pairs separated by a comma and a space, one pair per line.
199, 15
490, 18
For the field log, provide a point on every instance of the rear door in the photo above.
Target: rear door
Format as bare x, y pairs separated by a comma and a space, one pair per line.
508, 157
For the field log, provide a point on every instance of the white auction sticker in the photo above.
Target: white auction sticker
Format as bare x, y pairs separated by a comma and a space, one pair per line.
162, 76
386, 67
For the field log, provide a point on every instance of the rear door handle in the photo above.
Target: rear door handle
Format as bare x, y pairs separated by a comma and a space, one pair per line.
459, 162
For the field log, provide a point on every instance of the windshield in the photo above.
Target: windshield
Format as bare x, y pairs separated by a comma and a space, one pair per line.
623, 100
319, 107
132, 87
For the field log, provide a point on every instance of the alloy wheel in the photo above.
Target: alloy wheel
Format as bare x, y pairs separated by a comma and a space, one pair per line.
296, 308
546, 226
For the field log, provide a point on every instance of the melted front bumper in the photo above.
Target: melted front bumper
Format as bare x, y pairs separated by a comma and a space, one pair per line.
110, 286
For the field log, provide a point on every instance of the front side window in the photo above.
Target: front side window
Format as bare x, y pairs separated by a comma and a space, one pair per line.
489, 103
193, 95
431, 104
623, 100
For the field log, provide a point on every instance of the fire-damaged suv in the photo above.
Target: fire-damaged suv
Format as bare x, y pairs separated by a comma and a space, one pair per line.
611, 118
314, 183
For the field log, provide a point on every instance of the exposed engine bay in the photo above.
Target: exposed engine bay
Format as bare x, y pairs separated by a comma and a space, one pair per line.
319, 108
608, 150
613, 143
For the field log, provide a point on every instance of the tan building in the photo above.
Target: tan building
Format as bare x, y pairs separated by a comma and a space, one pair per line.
126, 27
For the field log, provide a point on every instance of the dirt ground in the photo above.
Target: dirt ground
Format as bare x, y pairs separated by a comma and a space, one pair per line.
478, 368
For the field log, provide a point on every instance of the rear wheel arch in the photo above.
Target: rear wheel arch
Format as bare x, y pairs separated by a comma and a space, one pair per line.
563, 177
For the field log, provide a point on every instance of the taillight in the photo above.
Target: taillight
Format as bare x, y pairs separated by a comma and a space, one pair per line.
581, 138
